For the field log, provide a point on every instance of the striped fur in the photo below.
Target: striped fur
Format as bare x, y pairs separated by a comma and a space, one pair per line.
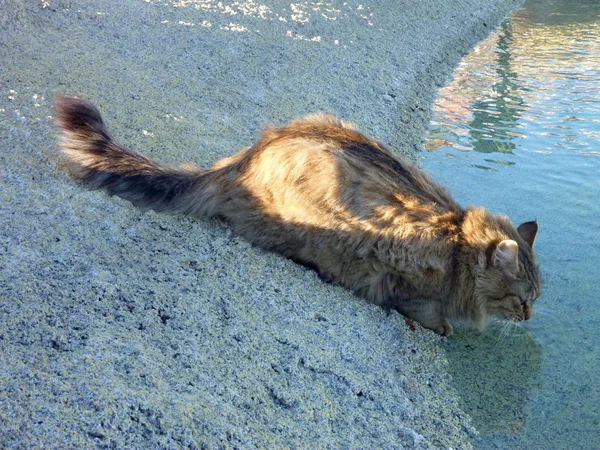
327, 196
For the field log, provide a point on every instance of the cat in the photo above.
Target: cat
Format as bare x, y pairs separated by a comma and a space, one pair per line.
326, 196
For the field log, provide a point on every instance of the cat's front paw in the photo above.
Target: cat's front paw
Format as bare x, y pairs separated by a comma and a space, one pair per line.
445, 329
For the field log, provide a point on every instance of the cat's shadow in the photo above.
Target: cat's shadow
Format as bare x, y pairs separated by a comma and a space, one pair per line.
494, 373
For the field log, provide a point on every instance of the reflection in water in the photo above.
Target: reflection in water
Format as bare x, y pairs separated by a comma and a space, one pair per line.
487, 124
493, 120
525, 107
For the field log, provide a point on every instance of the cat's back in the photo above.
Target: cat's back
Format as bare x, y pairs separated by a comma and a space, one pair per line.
320, 168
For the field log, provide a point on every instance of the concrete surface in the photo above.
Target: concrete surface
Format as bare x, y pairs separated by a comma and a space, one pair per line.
122, 328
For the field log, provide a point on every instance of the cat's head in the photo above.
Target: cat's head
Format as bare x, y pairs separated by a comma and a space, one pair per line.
508, 280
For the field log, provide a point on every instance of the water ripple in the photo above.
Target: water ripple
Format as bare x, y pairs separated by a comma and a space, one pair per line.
522, 118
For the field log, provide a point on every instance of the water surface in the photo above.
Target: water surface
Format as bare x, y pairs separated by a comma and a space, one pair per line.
518, 131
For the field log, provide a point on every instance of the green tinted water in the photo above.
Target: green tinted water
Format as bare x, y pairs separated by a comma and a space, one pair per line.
518, 131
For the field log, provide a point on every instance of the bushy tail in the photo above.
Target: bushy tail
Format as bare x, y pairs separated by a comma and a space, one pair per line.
92, 155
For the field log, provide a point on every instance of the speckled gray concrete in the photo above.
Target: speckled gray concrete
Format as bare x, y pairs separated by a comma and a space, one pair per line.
122, 328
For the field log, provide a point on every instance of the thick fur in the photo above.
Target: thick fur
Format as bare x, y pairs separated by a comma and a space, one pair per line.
327, 196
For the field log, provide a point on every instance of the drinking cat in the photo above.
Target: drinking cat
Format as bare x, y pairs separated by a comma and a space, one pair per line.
326, 196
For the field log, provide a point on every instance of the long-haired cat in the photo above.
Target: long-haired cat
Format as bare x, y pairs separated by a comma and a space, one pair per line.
326, 196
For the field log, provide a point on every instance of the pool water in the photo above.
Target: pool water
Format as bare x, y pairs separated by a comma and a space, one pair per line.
518, 131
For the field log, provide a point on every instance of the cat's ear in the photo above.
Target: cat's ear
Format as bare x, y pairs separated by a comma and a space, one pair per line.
527, 231
506, 257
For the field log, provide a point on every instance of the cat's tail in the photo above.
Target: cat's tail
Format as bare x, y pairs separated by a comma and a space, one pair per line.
91, 155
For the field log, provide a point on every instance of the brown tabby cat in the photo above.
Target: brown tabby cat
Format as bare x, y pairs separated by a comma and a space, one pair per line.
327, 196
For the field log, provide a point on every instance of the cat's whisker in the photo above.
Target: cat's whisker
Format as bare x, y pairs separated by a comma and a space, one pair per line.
519, 329
502, 334
509, 329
